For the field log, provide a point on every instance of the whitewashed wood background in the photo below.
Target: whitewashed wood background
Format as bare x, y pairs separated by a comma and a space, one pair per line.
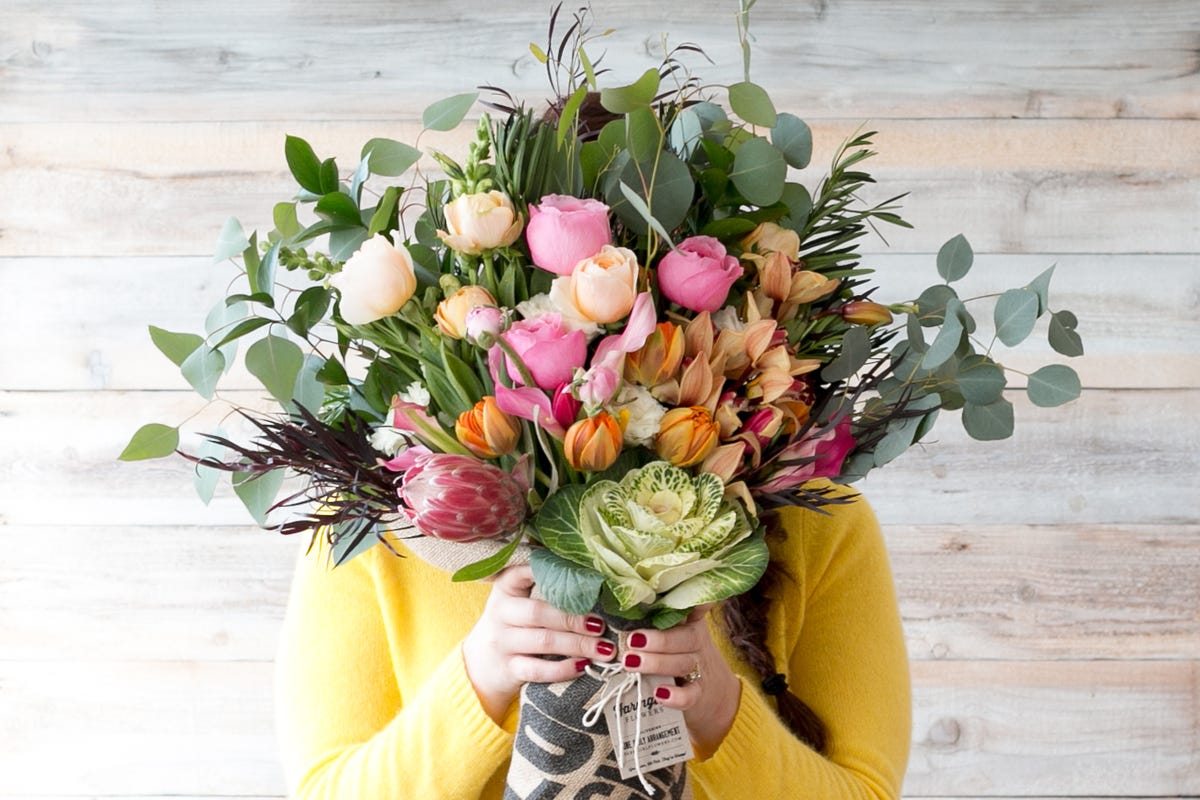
1050, 584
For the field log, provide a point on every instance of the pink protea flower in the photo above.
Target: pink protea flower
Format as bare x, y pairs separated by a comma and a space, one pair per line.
462, 499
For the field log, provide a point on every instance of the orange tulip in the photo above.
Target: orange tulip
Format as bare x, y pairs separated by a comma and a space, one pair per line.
659, 358
686, 435
593, 444
487, 431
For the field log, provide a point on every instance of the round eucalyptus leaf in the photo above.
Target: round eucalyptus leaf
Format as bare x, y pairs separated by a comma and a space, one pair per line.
799, 204
1053, 385
856, 349
670, 195
954, 259
989, 422
893, 444
931, 305
388, 157
759, 172
1015, 314
276, 362
623, 99
685, 133
912, 328
709, 115
1063, 336
642, 134
946, 341
1041, 287
444, 115
794, 139
980, 380
752, 103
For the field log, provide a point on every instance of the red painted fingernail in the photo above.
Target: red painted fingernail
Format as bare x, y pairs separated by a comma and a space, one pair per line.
594, 624
605, 648
581, 664
662, 693
633, 660
637, 640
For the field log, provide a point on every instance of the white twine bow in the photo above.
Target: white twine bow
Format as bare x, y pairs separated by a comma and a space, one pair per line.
616, 683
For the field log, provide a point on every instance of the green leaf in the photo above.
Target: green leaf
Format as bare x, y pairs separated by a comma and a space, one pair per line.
685, 133
351, 538
643, 135
345, 242
565, 584
792, 137
287, 224
1041, 287
990, 422
309, 391
856, 349
151, 441
262, 276
915, 337
444, 115
1063, 337
388, 157
740, 568
333, 374
202, 369
241, 329
175, 346
340, 208
931, 305
1016, 314
257, 491
954, 259
752, 103
948, 338
623, 99
666, 618
670, 196
759, 172
486, 567
570, 110
329, 176
384, 217
1053, 385
643, 211
231, 241
729, 228
205, 478
276, 362
310, 308
799, 203
557, 525
304, 164
980, 380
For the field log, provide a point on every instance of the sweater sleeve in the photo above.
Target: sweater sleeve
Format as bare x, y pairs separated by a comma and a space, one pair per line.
344, 730
846, 660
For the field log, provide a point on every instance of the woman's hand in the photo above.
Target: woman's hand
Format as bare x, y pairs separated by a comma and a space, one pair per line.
710, 702
501, 651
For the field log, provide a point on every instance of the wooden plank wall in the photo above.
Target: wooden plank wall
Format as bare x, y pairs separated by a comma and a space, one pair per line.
1049, 583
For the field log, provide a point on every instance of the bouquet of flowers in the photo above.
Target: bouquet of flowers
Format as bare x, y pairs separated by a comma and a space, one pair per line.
614, 331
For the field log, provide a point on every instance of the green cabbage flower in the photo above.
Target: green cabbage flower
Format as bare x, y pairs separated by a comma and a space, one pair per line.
660, 541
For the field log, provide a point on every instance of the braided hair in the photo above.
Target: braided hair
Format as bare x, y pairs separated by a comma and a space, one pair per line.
745, 619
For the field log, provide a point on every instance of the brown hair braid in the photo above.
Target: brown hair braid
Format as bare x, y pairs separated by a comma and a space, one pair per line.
745, 618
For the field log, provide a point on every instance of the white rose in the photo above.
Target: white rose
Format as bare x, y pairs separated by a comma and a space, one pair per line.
375, 282
479, 222
645, 414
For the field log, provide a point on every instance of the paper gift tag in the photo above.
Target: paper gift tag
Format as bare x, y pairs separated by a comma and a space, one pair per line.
660, 735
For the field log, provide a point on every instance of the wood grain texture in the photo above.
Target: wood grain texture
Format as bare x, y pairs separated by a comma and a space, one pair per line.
1112, 457
981, 728
967, 592
1018, 186
1140, 334
1003, 58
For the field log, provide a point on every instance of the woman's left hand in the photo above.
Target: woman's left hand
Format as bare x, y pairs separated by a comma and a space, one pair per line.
710, 701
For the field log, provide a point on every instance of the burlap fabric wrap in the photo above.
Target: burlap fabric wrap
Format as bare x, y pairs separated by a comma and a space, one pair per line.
555, 755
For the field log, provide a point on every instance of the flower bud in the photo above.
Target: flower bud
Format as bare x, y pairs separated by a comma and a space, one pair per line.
451, 313
483, 324
865, 312
659, 358
686, 435
725, 461
593, 444
487, 431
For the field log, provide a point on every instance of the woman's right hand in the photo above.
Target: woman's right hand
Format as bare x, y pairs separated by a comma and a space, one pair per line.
501, 651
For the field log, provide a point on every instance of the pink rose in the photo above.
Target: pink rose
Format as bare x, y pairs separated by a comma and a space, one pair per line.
550, 351
698, 274
564, 230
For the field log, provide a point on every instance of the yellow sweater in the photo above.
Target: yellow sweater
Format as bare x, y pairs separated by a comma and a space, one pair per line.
374, 702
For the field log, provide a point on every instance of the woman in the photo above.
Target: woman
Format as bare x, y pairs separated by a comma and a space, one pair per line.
395, 682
